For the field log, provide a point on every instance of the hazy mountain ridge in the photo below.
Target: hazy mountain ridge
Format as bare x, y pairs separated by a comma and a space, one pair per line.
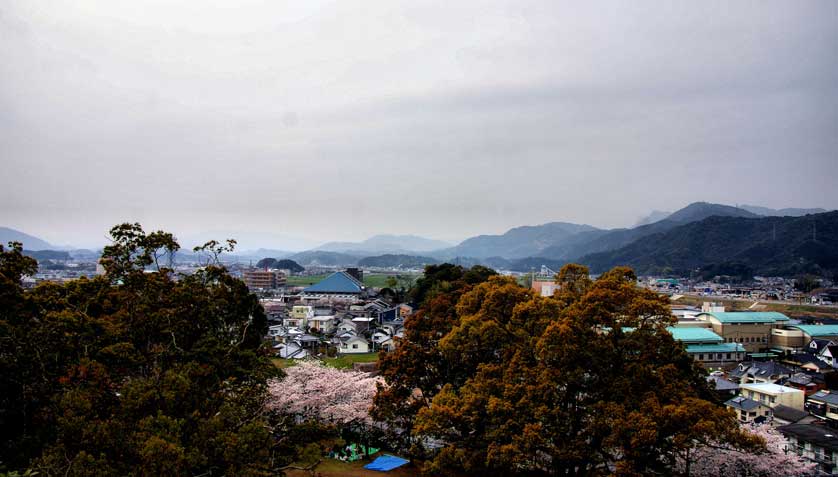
386, 244
519, 242
787, 212
30, 242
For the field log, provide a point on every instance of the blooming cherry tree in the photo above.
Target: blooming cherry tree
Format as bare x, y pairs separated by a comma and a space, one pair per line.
776, 461
315, 391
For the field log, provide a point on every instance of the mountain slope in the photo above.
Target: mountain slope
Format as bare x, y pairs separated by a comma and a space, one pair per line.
768, 246
518, 242
701, 210
396, 261
614, 239
29, 242
321, 257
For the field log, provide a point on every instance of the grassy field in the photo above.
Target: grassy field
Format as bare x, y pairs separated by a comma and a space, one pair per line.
305, 281
341, 362
373, 280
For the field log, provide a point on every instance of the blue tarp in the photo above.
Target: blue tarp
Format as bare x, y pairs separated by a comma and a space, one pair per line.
386, 463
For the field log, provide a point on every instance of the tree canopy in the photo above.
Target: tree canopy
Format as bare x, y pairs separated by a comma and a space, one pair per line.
585, 382
134, 372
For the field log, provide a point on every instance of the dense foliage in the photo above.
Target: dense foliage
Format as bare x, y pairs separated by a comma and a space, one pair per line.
283, 264
513, 383
139, 371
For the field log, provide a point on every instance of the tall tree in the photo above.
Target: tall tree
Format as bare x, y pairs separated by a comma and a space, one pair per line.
137, 371
416, 370
582, 383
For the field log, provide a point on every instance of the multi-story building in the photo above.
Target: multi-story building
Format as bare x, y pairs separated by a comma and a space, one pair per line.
816, 443
263, 279
773, 395
751, 329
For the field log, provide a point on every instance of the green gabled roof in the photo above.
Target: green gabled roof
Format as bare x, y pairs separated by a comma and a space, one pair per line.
716, 348
747, 316
694, 335
817, 330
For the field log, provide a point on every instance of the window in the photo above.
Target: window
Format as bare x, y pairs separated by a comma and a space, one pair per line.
728, 356
701, 357
354, 346
773, 399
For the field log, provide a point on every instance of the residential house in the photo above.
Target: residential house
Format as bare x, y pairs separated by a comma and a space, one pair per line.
815, 442
829, 355
824, 405
298, 316
322, 324
784, 415
759, 372
362, 323
809, 383
290, 350
773, 395
354, 344
347, 324
724, 389
749, 411
807, 362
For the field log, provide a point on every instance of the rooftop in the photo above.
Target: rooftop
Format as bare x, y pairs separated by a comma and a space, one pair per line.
768, 388
696, 335
825, 396
818, 435
746, 316
338, 282
789, 413
716, 348
743, 403
817, 330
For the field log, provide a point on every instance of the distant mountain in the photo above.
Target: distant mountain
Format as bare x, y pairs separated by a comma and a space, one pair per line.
654, 216
396, 261
783, 246
701, 210
41, 255
789, 212
602, 241
321, 257
265, 252
519, 242
386, 244
29, 242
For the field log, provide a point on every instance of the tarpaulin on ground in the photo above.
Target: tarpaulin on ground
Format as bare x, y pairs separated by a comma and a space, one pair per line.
386, 463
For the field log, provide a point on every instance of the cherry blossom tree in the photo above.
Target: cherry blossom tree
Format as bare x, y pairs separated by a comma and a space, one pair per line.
314, 391
775, 461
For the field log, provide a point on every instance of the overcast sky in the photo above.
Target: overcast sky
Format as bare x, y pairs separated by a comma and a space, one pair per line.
339, 120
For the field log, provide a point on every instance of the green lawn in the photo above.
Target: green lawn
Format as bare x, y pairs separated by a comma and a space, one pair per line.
343, 361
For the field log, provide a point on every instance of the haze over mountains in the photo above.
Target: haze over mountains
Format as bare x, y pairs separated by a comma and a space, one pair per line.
699, 235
